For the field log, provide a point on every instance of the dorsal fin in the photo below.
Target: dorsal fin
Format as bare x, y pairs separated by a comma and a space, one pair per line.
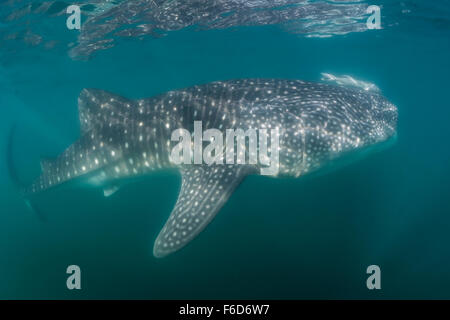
98, 107
348, 81
46, 164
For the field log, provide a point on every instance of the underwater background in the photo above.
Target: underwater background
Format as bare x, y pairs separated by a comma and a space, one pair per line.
301, 238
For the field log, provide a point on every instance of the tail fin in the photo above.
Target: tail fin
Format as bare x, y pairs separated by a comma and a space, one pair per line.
9, 160
15, 177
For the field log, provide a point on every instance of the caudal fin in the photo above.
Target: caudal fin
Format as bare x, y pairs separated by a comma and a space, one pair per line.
9, 160
15, 177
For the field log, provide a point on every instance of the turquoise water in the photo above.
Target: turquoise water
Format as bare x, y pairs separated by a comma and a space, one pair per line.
275, 238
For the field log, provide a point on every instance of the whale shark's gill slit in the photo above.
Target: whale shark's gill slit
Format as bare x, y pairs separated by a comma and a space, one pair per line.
97, 107
204, 190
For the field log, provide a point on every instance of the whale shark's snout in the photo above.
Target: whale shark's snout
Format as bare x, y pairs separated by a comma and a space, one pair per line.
389, 117
385, 116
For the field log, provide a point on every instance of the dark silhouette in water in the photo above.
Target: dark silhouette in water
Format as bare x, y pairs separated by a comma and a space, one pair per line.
15, 177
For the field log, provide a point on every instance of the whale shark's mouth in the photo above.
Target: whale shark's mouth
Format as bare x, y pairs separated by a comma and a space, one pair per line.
389, 119
352, 156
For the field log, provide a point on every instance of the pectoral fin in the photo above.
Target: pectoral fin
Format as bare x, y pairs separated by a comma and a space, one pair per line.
204, 190
110, 190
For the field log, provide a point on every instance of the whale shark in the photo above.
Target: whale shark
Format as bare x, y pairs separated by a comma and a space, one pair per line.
121, 139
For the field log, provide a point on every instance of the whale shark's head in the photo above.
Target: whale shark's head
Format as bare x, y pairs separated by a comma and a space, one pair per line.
384, 116
343, 125
364, 104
